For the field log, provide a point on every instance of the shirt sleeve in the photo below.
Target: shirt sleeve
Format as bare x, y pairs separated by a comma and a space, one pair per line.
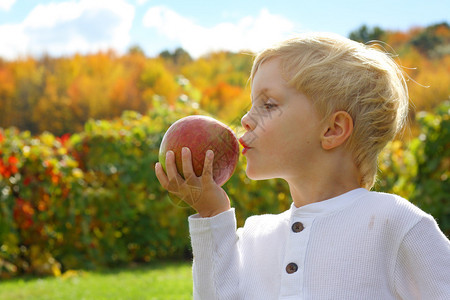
423, 263
216, 259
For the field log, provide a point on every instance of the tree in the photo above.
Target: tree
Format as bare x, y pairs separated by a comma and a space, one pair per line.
136, 49
365, 34
7, 84
179, 57
431, 38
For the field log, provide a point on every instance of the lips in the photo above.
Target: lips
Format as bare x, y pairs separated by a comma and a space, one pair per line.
245, 145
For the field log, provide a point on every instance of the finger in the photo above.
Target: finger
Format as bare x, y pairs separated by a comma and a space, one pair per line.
208, 165
172, 173
171, 166
188, 169
161, 175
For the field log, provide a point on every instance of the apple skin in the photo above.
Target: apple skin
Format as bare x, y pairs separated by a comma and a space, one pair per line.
201, 133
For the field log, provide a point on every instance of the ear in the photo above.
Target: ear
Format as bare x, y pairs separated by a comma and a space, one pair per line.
338, 128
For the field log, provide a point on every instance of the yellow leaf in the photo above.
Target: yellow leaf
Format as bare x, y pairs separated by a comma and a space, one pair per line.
56, 270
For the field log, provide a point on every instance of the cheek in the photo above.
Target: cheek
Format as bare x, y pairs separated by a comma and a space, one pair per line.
290, 149
271, 133
279, 143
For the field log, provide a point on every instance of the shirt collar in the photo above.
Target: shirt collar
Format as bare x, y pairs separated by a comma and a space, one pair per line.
330, 205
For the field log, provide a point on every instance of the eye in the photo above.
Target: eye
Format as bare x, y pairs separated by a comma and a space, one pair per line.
269, 105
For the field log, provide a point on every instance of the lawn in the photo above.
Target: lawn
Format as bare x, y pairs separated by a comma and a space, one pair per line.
156, 281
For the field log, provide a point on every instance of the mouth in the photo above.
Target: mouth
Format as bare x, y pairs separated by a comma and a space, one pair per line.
246, 147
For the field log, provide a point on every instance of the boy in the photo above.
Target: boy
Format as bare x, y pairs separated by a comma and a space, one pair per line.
323, 107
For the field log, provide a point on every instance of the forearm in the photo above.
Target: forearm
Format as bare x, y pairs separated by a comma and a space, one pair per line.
216, 258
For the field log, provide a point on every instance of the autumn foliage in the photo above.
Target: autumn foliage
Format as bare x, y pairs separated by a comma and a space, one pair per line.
74, 89
79, 137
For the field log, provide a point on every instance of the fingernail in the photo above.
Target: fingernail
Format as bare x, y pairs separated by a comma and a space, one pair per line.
210, 154
184, 150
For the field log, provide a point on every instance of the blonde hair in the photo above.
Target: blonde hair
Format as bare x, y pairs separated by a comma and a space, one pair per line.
337, 74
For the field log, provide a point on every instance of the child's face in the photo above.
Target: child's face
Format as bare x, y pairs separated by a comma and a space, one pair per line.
282, 138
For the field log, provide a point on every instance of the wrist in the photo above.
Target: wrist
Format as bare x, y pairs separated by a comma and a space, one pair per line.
213, 212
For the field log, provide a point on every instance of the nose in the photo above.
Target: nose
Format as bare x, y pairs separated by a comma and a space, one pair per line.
248, 122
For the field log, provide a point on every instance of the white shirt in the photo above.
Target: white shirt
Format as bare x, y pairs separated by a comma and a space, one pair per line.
359, 245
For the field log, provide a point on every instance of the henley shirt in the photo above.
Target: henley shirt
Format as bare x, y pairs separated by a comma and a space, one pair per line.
359, 245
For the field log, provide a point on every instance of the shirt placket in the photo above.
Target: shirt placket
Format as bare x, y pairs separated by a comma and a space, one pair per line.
293, 264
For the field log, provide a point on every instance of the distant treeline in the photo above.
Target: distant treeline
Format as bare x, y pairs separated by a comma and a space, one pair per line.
59, 94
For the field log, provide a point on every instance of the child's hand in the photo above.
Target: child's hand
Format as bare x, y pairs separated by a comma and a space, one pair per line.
201, 193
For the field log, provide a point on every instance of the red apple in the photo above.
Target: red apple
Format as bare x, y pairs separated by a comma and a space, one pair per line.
199, 134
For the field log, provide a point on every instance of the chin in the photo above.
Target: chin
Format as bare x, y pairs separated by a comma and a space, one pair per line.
255, 175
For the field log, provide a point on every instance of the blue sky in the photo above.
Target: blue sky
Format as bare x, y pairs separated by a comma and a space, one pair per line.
65, 27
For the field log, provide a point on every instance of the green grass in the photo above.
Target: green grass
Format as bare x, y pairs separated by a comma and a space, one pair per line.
157, 281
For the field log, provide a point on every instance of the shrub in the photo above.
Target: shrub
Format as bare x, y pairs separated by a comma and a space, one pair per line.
419, 169
88, 200
92, 199
432, 184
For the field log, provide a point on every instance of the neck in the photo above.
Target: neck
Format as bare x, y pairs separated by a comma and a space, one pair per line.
302, 195
338, 179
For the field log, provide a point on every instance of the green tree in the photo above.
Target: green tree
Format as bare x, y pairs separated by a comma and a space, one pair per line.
179, 57
365, 34
429, 41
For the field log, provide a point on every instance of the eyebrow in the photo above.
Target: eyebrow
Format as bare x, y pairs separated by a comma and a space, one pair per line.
262, 92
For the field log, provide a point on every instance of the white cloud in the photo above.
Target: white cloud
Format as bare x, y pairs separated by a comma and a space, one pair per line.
6, 4
67, 27
248, 33
13, 38
141, 2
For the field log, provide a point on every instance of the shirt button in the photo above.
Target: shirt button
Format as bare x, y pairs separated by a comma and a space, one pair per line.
291, 268
297, 227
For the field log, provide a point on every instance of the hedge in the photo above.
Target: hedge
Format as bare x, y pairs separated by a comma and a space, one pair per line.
92, 199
